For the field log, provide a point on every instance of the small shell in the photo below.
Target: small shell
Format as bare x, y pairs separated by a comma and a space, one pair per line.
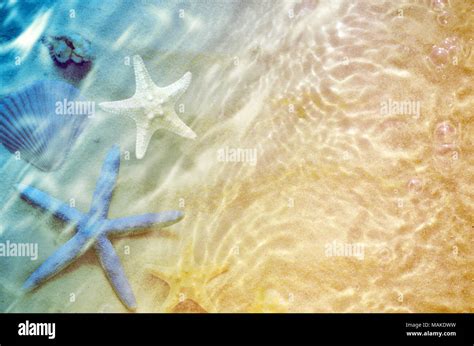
68, 49
72, 55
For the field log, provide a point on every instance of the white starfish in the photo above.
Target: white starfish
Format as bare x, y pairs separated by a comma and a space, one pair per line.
152, 107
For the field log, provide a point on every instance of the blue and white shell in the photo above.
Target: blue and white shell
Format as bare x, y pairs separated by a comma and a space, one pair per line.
36, 126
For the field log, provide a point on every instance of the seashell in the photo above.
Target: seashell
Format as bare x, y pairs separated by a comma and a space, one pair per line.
41, 123
71, 48
72, 54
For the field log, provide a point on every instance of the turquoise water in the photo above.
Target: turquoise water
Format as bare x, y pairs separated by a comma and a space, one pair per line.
117, 29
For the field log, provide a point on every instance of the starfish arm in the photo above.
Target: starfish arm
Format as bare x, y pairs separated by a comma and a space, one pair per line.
143, 80
60, 259
203, 300
105, 184
44, 201
115, 273
179, 87
171, 300
122, 107
144, 135
174, 124
166, 274
133, 224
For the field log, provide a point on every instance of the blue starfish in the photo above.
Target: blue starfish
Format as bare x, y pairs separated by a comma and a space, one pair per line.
94, 228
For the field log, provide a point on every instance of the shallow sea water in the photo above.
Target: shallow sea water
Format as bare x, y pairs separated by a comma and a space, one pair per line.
304, 84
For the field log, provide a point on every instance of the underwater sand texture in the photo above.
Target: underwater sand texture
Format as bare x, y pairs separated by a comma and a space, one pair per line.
302, 83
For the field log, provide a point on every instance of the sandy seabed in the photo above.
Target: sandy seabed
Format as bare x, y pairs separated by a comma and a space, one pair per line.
360, 195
